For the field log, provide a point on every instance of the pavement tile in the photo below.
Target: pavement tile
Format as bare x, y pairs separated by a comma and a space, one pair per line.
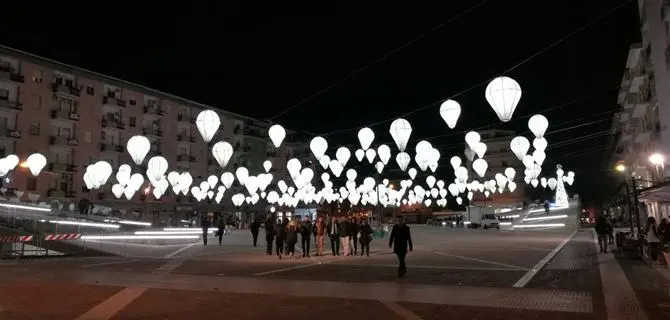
439, 312
651, 288
234, 269
201, 305
40, 300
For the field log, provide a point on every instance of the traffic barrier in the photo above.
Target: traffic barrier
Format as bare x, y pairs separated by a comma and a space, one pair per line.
10, 239
62, 236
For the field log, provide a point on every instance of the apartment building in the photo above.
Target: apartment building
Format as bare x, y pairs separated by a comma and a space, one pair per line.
499, 157
76, 117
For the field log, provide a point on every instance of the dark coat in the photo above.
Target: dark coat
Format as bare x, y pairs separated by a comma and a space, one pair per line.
329, 228
603, 226
400, 239
255, 226
344, 229
306, 229
366, 233
269, 228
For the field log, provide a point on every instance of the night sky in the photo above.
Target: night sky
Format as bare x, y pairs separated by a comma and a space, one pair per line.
261, 58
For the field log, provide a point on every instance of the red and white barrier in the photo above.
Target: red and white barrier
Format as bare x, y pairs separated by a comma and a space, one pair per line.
62, 236
10, 239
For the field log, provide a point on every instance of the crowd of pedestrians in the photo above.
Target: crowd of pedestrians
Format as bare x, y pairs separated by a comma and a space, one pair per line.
656, 236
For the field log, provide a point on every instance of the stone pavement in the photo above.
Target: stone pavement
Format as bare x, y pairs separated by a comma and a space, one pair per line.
453, 273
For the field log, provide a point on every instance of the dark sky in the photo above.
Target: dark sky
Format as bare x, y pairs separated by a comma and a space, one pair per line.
259, 58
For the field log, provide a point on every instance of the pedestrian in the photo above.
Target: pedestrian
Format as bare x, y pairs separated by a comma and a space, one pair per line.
365, 237
269, 235
305, 236
653, 239
222, 229
280, 230
546, 207
205, 224
255, 227
334, 235
319, 232
401, 240
344, 235
353, 234
292, 231
603, 228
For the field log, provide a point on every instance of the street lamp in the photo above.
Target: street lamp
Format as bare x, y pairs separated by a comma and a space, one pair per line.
621, 168
657, 159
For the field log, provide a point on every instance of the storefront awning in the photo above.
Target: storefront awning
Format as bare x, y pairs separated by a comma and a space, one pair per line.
659, 193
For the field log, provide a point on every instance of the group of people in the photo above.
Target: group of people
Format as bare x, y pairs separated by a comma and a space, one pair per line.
655, 235
343, 233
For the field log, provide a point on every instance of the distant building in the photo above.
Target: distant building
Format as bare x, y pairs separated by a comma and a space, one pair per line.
499, 157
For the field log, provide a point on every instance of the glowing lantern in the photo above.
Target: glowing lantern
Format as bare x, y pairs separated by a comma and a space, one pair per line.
36, 163
455, 162
267, 165
403, 160
370, 154
510, 173
336, 168
208, 123
539, 156
430, 181
342, 155
222, 152
538, 125
277, 135
512, 186
540, 144
472, 138
480, 166
365, 137
543, 182
480, 149
503, 94
117, 190
318, 145
138, 147
360, 154
103, 170
242, 175
552, 183
384, 153
519, 146
324, 161
156, 168
227, 179
401, 130
450, 110
412, 173
379, 166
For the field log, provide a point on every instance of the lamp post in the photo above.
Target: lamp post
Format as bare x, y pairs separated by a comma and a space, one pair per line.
621, 168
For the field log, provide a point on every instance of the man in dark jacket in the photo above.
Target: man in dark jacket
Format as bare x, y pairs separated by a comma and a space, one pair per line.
205, 224
305, 236
333, 230
255, 226
401, 240
603, 229
269, 235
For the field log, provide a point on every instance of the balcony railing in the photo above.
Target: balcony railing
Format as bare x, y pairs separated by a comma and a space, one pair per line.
12, 133
68, 141
66, 88
13, 105
112, 123
61, 167
157, 110
152, 131
6, 72
113, 101
111, 147
63, 114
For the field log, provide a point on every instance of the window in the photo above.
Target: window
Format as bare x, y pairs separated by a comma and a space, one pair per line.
131, 121
38, 76
132, 102
4, 94
90, 90
103, 135
34, 129
31, 184
504, 164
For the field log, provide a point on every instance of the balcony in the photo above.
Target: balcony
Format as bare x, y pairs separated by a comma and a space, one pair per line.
63, 141
66, 88
152, 132
11, 105
156, 110
64, 115
6, 72
61, 167
113, 101
110, 147
182, 137
112, 123
185, 118
12, 133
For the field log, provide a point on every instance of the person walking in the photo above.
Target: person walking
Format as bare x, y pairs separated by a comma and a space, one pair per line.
353, 236
280, 230
344, 235
221, 224
652, 237
319, 232
255, 227
401, 240
334, 235
546, 207
269, 235
603, 228
292, 231
205, 224
305, 236
365, 237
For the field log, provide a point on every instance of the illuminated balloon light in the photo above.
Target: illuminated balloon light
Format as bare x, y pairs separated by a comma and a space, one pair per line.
222, 152
480, 166
379, 166
360, 154
450, 110
384, 153
156, 168
138, 148
36, 163
103, 170
267, 165
185, 181
527, 179
480, 149
336, 168
430, 181
540, 144
282, 186
528, 161
538, 125
128, 192
511, 186
172, 177
503, 95
242, 175
428, 202
227, 179
423, 147
552, 182
472, 138
403, 159
324, 162
459, 201
318, 145
510, 173
117, 190
543, 182
470, 195
534, 182
539, 156
370, 154
455, 162
469, 154
519, 146
342, 155
412, 173
212, 181
208, 123
365, 137
251, 184
487, 193
351, 175
277, 135
401, 130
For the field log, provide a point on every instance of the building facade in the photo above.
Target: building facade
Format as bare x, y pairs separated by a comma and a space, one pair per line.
641, 125
499, 157
76, 117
